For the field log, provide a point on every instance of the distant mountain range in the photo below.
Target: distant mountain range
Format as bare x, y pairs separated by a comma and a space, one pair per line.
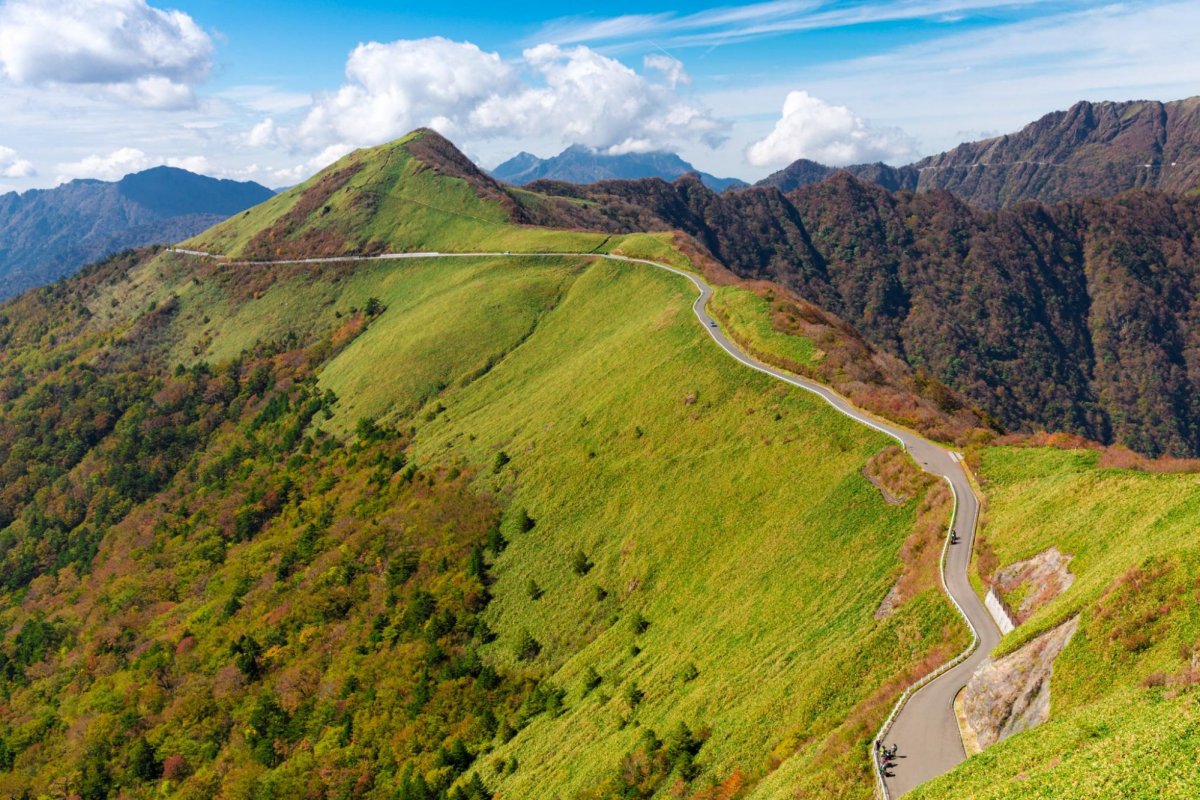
582, 165
1089, 150
46, 234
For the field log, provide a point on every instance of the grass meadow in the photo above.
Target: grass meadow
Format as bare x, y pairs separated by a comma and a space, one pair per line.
1124, 710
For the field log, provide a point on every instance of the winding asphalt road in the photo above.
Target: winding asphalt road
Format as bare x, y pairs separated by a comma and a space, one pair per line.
922, 725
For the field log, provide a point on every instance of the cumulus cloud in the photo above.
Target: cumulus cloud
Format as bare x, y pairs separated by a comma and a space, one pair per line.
263, 134
393, 88
139, 54
574, 94
13, 166
595, 100
812, 128
121, 162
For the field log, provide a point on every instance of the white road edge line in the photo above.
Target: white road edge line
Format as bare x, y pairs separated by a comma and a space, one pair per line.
824, 392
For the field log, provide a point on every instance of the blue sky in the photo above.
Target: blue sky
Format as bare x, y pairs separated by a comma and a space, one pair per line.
272, 90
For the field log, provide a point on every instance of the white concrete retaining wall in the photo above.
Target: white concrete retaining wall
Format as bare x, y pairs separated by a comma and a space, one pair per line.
999, 613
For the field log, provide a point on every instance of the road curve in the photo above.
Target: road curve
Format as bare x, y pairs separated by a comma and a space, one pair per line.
922, 725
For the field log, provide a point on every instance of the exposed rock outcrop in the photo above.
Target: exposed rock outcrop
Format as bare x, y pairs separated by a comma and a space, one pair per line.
1012, 694
1089, 150
1025, 586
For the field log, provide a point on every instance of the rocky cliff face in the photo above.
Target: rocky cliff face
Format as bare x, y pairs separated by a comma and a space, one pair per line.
1089, 150
1025, 586
1012, 694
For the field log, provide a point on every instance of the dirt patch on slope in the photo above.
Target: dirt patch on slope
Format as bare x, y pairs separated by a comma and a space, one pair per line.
1012, 694
891, 601
1025, 586
894, 474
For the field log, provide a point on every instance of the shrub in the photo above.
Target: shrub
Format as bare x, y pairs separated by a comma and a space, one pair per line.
175, 768
143, 761
496, 541
528, 648
517, 520
634, 696
581, 565
535, 591
476, 568
246, 651
368, 431
402, 567
268, 724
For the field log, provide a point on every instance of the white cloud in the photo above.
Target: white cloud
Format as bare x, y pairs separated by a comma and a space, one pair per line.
124, 161
742, 23
574, 95
671, 68
595, 100
137, 53
393, 88
811, 128
13, 166
264, 134
267, 99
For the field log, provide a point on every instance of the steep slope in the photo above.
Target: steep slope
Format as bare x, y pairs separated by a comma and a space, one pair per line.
1090, 150
579, 164
417, 193
46, 234
395, 529
1077, 317
1123, 692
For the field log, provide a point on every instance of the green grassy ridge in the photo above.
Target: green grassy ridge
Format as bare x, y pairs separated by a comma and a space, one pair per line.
1108, 520
621, 354
748, 317
1123, 713
1131, 744
560, 363
593, 339
391, 202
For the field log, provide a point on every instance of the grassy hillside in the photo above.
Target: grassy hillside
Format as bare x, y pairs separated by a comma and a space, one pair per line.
437, 529
1124, 707
414, 194
675, 472
222, 581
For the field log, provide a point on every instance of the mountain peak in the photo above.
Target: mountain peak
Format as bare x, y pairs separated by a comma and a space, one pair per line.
48, 233
581, 164
377, 198
173, 191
